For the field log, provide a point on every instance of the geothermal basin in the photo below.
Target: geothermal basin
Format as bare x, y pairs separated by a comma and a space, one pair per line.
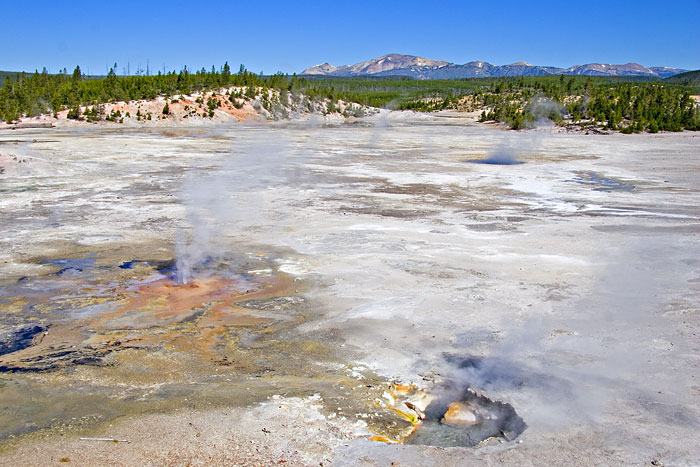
327, 292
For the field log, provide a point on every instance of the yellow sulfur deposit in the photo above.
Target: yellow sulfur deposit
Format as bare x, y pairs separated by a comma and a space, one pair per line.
409, 403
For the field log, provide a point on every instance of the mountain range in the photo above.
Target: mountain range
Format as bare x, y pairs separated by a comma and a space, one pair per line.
425, 68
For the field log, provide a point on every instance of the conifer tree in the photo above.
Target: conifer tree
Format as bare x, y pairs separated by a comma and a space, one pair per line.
226, 74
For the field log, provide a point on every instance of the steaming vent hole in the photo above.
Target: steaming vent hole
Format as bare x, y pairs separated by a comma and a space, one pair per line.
468, 421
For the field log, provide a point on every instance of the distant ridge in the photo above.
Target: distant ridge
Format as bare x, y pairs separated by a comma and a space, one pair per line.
377, 65
425, 68
689, 78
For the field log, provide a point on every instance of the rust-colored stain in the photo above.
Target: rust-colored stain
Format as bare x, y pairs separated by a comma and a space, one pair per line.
191, 317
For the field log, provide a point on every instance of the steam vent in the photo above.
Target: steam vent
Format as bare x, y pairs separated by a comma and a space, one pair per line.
471, 420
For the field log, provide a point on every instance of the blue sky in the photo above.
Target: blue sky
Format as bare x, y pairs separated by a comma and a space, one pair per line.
291, 35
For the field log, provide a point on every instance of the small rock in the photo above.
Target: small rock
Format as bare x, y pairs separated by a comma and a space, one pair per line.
459, 414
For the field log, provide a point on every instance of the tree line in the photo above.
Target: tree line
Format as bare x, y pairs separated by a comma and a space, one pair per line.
627, 106
624, 104
29, 95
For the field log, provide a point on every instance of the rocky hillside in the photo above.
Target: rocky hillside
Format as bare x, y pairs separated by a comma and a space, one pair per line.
236, 103
423, 68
